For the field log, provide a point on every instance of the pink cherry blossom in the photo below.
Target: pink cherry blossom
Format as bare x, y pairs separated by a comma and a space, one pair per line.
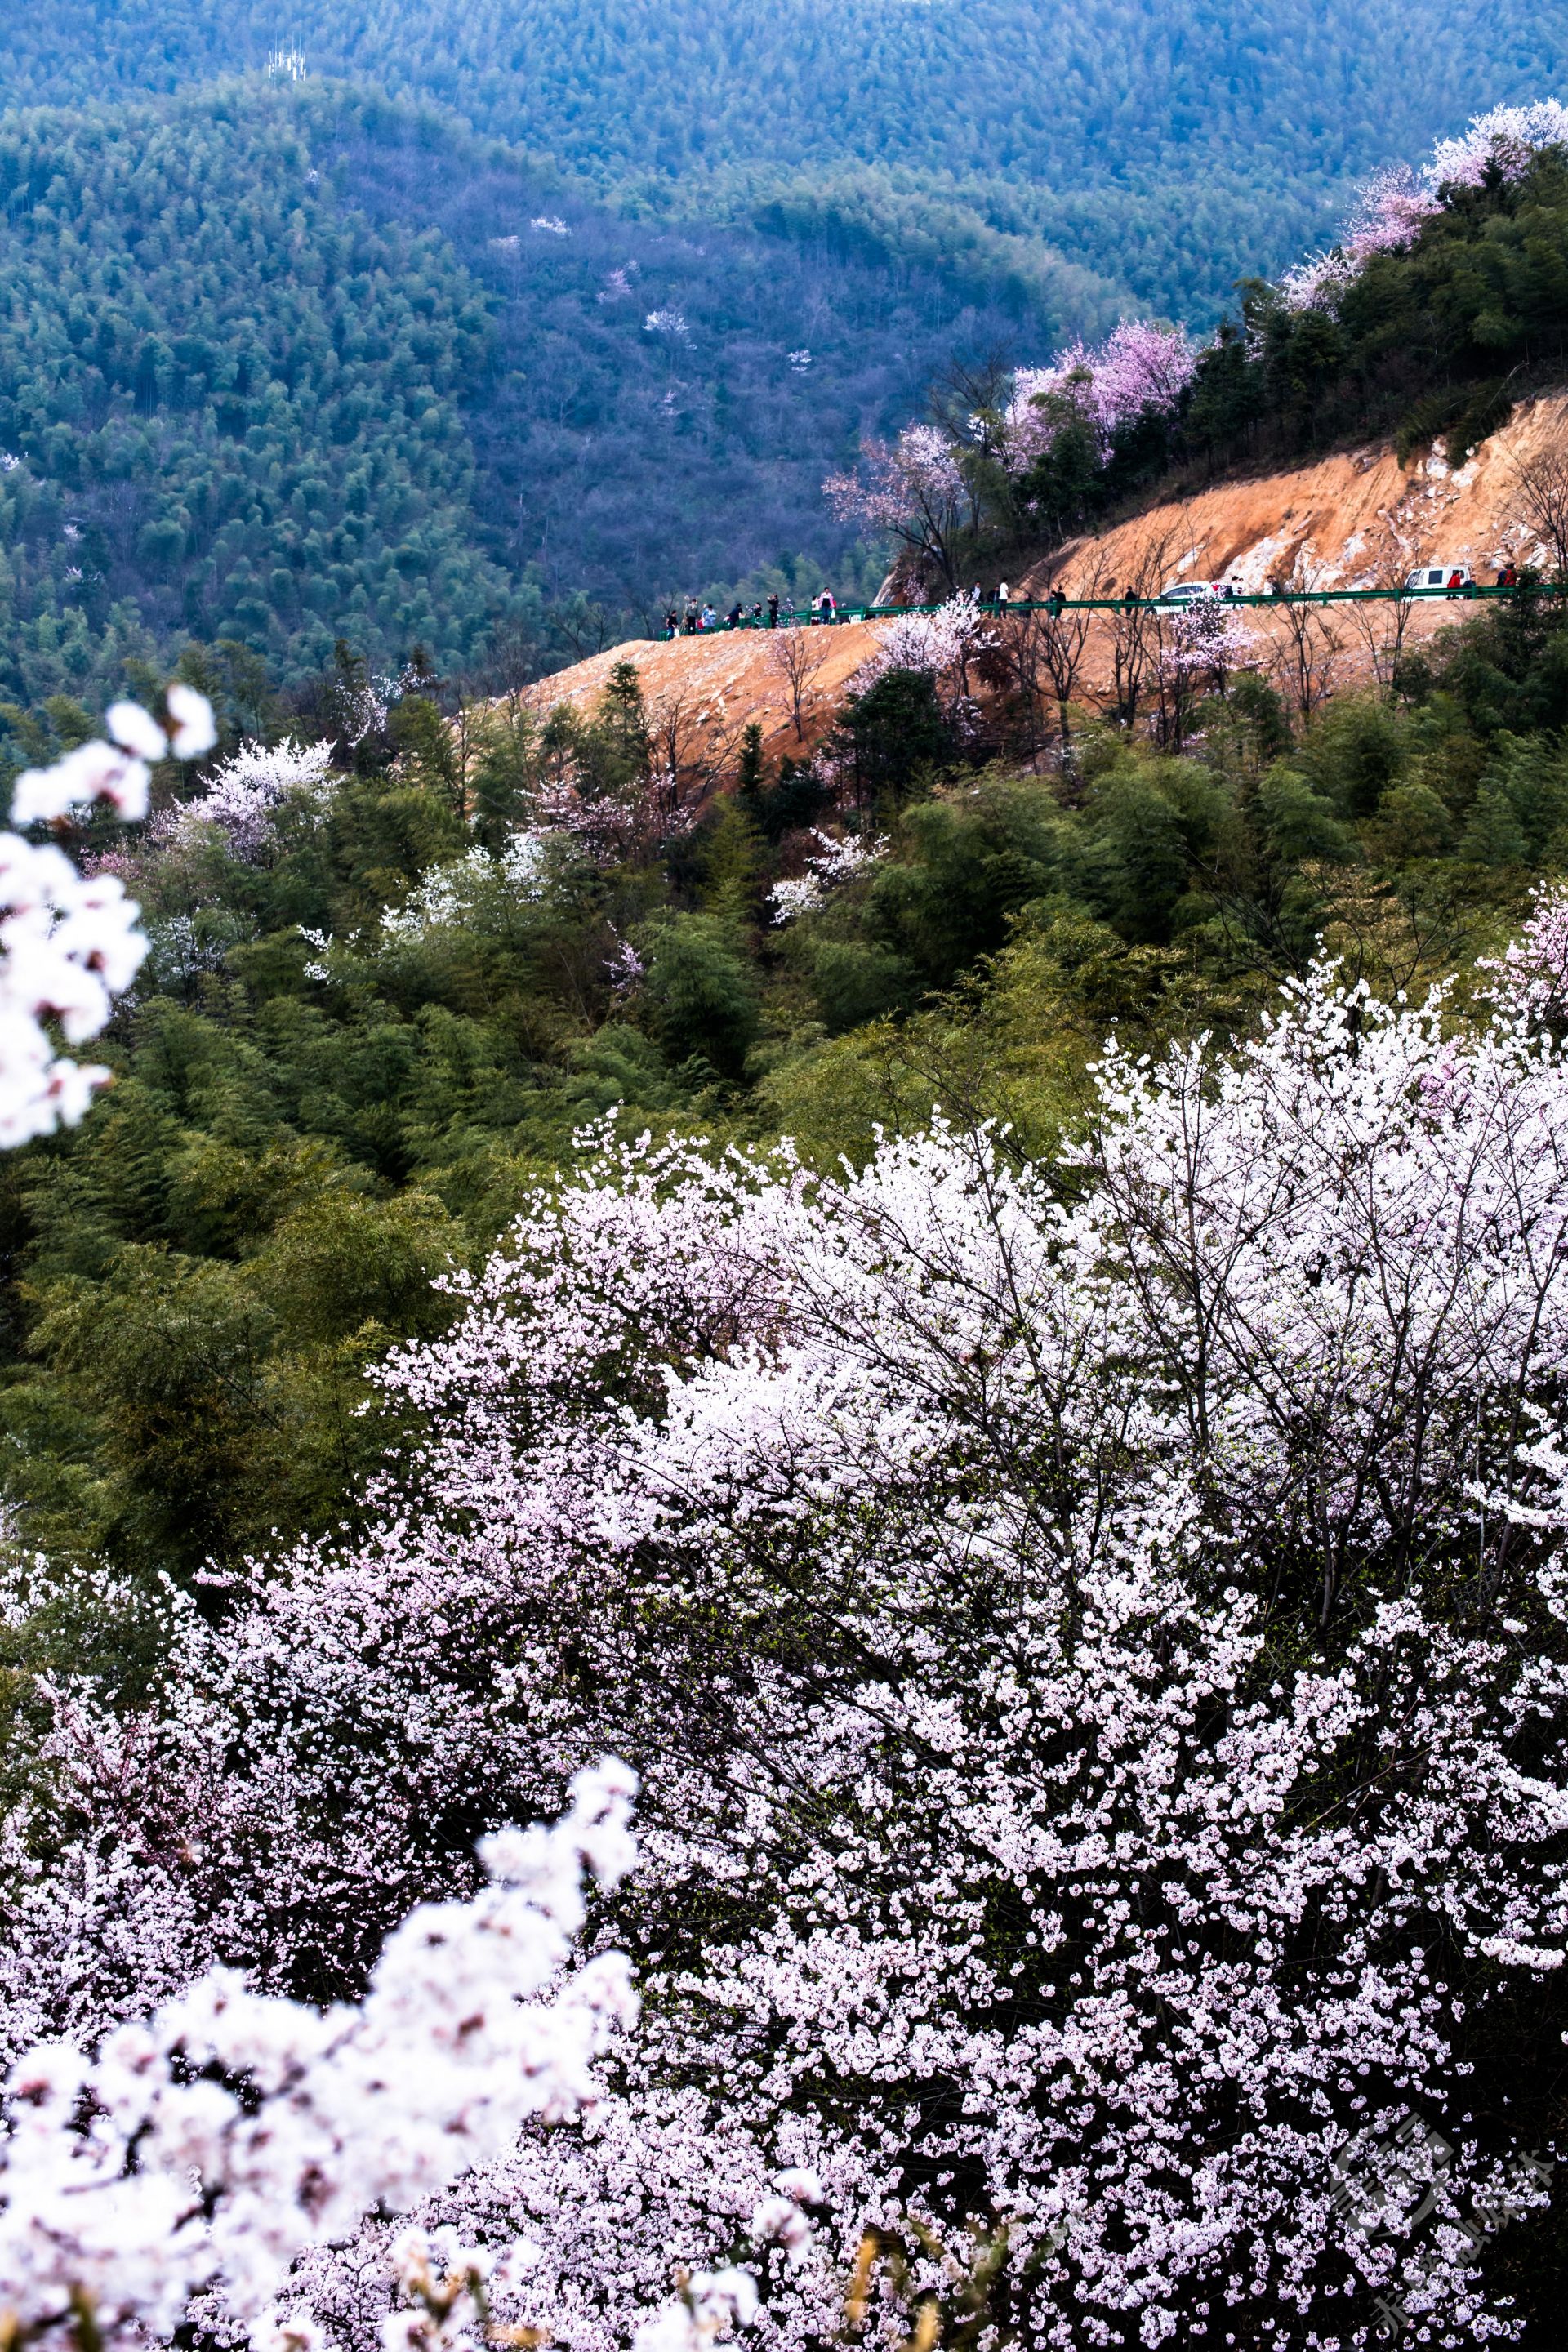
1140, 369
1073, 1801
1395, 205
1503, 139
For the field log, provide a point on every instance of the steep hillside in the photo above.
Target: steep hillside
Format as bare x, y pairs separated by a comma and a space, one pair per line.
231, 405
1359, 520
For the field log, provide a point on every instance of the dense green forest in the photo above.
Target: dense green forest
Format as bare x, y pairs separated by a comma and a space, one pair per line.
1154, 144
281, 364
286, 360
365, 1031
228, 406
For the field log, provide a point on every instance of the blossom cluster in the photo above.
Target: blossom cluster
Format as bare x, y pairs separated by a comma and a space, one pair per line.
449, 895
1206, 639
1140, 369
835, 861
916, 473
1502, 140
939, 642
1074, 1808
208, 2144
1531, 976
70, 940
244, 794
1395, 203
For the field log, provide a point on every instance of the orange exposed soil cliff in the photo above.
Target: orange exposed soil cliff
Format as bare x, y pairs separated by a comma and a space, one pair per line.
1350, 522
721, 683
1357, 519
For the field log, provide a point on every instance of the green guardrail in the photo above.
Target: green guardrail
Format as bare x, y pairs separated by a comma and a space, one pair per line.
1473, 592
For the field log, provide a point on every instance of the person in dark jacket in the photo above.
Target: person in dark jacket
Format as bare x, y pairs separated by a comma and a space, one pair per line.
774, 611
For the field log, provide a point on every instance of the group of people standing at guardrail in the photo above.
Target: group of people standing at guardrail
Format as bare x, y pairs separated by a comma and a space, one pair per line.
698, 619
824, 609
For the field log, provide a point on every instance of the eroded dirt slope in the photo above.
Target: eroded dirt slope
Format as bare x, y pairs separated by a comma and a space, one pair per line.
721, 683
1353, 521
1357, 519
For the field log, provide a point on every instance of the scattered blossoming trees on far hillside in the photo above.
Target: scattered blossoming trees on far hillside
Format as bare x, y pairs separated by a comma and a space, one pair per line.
1094, 1653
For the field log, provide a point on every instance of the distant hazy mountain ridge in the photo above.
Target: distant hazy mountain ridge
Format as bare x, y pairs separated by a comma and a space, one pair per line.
1162, 145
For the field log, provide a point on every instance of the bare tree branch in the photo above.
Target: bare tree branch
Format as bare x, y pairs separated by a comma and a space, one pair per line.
794, 656
1540, 486
1308, 647
1384, 625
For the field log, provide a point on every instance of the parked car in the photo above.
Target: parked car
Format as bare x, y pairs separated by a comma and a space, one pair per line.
1192, 592
1439, 575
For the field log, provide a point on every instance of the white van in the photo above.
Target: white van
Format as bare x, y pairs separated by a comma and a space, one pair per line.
1192, 592
1439, 575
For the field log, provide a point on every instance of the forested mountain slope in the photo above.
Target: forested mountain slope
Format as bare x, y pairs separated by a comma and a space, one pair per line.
1154, 143
229, 405
283, 365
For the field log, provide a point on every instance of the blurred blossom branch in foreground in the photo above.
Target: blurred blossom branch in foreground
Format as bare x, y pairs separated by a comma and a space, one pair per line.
72, 941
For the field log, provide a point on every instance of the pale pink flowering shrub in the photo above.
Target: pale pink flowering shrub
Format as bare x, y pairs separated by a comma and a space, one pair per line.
1390, 213
1529, 978
1318, 282
896, 481
133, 2179
656, 806
1503, 139
1206, 640
1140, 369
942, 642
1073, 1796
244, 794
835, 861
